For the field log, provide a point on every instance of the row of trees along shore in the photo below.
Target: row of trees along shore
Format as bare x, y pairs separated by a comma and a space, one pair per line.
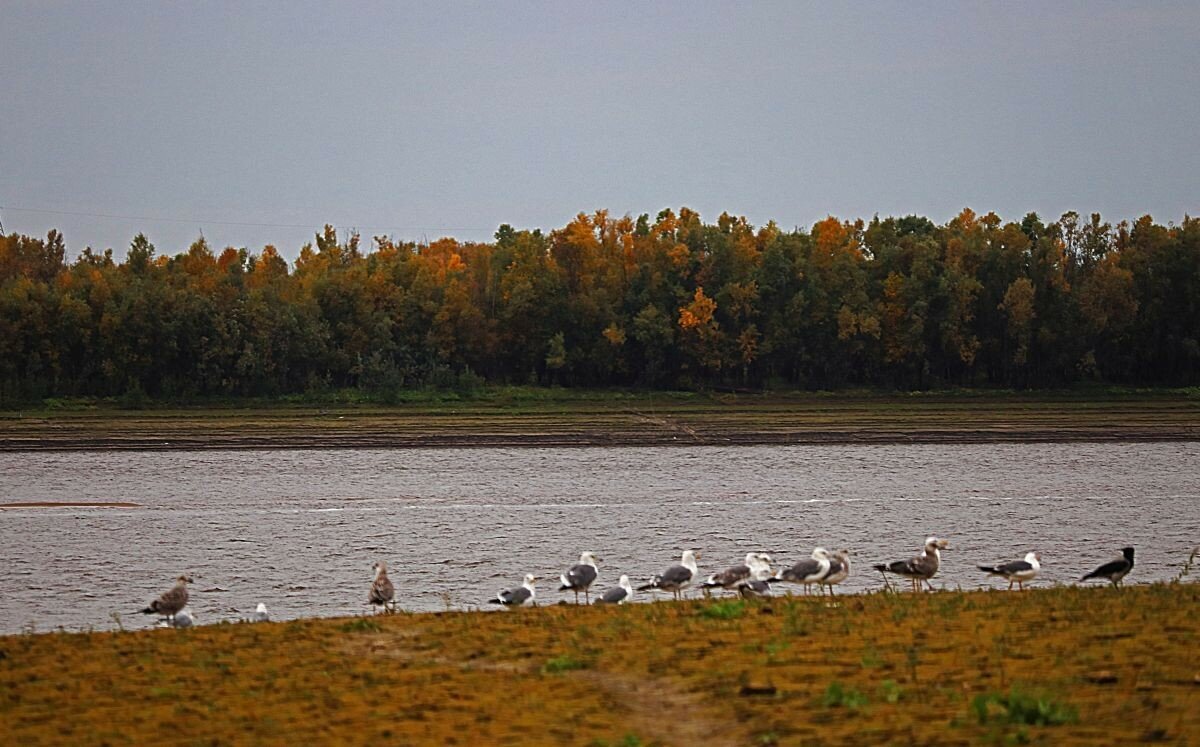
660, 303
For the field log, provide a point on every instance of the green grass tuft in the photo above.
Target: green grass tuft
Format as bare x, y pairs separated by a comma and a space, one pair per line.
730, 609
564, 663
838, 696
1019, 707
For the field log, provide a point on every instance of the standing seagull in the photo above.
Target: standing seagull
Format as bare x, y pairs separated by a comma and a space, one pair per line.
171, 601
517, 596
1018, 571
920, 568
382, 592
260, 614
808, 571
619, 594
580, 576
676, 578
839, 570
1114, 570
734, 575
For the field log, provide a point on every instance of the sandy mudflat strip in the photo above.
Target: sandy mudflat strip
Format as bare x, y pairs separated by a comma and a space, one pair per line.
716, 422
70, 504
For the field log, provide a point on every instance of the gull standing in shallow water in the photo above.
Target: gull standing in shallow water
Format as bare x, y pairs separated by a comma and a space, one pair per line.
920, 568
1114, 570
171, 601
619, 594
580, 576
808, 571
517, 596
676, 578
382, 591
1018, 571
260, 614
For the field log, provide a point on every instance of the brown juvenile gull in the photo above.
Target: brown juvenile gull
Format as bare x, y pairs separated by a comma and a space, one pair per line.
1114, 570
734, 575
382, 592
839, 570
619, 594
676, 578
808, 571
920, 568
171, 601
519, 595
1017, 571
580, 576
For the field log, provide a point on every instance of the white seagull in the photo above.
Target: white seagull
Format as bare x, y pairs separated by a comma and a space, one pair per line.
839, 570
517, 596
808, 571
1019, 572
619, 594
580, 576
676, 578
260, 614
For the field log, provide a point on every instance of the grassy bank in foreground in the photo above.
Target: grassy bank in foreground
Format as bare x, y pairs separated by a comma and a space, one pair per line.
1051, 666
573, 418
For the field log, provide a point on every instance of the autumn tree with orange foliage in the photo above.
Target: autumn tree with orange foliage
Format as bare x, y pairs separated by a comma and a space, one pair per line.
668, 301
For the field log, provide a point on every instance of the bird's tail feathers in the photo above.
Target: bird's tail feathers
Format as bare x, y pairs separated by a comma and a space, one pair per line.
654, 582
989, 569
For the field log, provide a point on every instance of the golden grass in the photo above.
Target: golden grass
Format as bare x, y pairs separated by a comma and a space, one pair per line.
1114, 666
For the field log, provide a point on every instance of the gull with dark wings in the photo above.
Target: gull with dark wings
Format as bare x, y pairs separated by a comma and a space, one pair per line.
580, 576
1019, 572
918, 569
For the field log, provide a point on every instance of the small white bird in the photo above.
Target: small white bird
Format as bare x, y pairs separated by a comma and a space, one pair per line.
261, 615
184, 619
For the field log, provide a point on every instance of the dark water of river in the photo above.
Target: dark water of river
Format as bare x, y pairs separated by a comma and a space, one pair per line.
300, 529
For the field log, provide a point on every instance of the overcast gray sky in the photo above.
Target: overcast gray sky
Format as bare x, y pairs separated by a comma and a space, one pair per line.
438, 119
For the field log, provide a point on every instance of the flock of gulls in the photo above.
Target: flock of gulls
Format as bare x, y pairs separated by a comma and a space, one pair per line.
753, 577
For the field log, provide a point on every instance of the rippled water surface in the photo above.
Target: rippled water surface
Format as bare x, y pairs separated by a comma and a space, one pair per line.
299, 530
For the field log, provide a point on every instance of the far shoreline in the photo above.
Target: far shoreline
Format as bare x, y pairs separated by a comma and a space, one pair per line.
606, 419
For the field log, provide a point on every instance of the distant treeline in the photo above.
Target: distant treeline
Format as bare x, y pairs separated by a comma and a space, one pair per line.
664, 302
